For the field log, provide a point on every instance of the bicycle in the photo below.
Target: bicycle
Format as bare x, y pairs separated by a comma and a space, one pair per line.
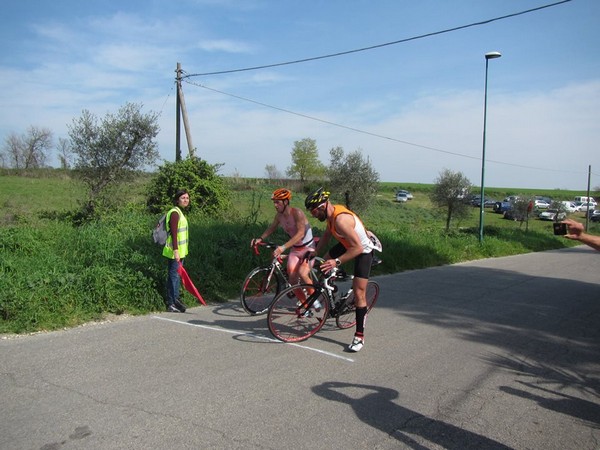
263, 283
294, 315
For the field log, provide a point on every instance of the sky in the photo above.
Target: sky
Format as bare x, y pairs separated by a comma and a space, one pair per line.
413, 107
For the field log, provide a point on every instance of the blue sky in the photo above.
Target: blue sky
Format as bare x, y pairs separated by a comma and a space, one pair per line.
413, 108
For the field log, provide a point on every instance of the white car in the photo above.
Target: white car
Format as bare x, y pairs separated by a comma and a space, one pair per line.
551, 214
408, 194
584, 207
541, 204
569, 206
401, 197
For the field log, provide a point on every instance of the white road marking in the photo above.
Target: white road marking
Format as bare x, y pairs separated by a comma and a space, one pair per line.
257, 336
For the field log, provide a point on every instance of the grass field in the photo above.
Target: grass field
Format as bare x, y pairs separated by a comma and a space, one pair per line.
53, 274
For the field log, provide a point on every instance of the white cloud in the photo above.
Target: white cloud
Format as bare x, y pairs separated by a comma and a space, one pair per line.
224, 45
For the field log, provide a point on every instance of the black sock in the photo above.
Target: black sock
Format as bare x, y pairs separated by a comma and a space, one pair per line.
361, 315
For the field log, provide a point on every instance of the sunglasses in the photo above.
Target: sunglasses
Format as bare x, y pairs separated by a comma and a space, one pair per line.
321, 206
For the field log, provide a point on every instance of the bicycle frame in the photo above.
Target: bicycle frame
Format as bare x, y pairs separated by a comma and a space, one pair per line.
260, 288
295, 316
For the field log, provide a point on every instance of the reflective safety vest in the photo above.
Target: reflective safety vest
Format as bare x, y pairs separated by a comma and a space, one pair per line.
182, 236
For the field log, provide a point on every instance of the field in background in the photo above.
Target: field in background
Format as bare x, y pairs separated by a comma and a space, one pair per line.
54, 275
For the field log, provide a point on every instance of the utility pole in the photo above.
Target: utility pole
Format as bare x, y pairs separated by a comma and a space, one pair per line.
177, 116
587, 210
181, 112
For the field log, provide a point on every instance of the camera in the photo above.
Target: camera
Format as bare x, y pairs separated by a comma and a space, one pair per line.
560, 229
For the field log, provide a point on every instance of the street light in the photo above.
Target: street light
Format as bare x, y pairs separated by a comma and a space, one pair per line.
488, 56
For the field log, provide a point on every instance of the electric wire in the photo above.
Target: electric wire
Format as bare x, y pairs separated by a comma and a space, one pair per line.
369, 133
373, 47
186, 77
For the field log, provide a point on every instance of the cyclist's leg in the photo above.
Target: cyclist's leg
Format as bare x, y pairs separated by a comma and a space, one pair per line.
299, 270
362, 270
293, 264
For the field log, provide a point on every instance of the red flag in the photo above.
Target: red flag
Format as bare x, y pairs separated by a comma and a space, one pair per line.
188, 285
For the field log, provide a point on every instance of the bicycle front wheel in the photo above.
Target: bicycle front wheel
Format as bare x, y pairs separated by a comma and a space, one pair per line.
258, 292
290, 321
346, 318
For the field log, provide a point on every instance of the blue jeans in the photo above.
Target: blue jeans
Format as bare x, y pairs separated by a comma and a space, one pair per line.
173, 282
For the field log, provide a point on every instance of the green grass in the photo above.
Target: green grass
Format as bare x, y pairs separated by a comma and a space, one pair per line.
54, 275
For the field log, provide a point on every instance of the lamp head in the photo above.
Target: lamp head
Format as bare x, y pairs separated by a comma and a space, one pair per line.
492, 55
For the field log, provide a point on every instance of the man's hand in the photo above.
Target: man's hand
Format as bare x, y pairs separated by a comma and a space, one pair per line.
574, 229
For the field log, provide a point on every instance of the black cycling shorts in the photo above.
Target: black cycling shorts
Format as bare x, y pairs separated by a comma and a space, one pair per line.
362, 263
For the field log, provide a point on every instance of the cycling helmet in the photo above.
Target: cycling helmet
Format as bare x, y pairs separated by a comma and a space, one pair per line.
316, 199
281, 194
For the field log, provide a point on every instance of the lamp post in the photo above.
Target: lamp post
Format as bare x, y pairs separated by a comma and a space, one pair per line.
488, 56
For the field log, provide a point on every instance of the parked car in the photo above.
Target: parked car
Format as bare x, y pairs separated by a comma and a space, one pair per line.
501, 207
409, 196
401, 197
595, 216
541, 204
511, 214
487, 203
569, 206
552, 214
584, 199
584, 207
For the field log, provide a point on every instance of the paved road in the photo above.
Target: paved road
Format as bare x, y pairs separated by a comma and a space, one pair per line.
492, 354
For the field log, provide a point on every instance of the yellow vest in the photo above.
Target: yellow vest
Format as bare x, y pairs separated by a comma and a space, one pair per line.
182, 236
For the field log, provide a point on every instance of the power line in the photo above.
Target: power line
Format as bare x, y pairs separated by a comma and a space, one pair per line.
357, 130
372, 47
381, 136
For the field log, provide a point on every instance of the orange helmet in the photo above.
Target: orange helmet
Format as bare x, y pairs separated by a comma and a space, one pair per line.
282, 194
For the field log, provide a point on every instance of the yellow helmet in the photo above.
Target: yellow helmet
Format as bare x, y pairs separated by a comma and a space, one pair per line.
315, 199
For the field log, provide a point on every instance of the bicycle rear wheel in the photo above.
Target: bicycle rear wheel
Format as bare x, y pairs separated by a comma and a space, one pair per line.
258, 292
290, 322
346, 318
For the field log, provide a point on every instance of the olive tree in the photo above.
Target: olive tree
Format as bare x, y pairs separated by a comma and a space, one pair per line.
109, 150
449, 192
352, 175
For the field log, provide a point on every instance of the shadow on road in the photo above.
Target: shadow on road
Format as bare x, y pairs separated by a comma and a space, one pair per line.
375, 406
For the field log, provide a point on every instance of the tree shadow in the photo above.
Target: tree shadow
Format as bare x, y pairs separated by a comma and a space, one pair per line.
377, 409
546, 324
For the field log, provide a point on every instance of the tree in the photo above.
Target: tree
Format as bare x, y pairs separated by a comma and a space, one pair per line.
64, 153
272, 172
521, 209
449, 192
30, 150
305, 161
107, 152
353, 176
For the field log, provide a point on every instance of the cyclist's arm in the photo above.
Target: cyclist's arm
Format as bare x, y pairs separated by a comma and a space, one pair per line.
267, 232
323, 241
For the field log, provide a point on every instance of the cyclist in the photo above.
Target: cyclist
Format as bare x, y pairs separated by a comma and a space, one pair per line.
353, 243
296, 225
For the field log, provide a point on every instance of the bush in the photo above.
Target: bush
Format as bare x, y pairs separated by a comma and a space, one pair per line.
208, 191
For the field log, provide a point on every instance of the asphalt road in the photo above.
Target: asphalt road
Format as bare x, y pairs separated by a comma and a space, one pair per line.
491, 354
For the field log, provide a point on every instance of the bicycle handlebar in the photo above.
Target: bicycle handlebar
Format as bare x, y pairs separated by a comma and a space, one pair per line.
268, 245
264, 244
